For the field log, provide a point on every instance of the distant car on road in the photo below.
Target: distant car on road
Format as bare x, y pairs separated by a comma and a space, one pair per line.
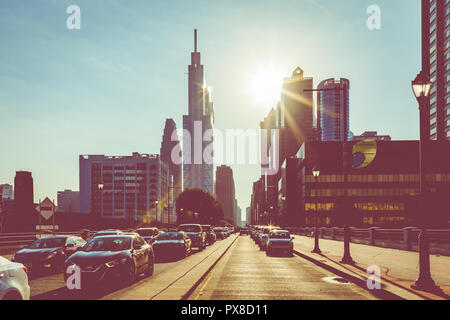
13, 281
264, 235
210, 234
220, 233
48, 253
244, 231
196, 233
108, 257
172, 245
280, 241
149, 234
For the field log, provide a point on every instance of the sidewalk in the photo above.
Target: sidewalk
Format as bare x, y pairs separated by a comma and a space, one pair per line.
398, 266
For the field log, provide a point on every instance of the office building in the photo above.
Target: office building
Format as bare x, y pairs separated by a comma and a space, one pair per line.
124, 187
198, 170
435, 63
225, 192
170, 147
6, 192
68, 201
382, 185
333, 109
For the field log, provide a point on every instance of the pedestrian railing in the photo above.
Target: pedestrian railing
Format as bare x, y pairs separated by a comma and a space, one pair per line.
406, 238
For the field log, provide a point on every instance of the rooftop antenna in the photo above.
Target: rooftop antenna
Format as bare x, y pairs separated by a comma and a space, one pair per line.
195, 40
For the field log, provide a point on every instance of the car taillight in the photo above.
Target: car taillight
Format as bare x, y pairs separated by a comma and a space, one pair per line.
25, 269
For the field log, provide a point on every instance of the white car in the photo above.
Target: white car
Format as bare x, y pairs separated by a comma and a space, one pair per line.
13, 281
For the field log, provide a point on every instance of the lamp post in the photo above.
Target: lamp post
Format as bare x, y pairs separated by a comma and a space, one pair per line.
421, 86
100, 187
316, 174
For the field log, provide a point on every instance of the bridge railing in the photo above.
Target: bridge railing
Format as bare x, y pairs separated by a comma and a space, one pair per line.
406, 238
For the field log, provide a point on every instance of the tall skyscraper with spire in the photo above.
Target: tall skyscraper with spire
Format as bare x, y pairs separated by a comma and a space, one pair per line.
198, 166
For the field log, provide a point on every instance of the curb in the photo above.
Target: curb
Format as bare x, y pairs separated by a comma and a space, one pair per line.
389, 291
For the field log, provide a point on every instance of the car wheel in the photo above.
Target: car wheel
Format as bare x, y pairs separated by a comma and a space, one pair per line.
268, 253
130, 273
12, 296
150, 267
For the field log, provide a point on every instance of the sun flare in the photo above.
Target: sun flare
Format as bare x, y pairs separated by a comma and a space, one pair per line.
266, 86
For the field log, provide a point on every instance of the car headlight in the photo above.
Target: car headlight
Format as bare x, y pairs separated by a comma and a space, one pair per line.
115, 263
52, 255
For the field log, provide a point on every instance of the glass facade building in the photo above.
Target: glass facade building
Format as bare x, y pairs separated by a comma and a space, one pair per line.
333, 109
435, 62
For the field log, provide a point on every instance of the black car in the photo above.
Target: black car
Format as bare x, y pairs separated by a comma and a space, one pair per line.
210, 235
172, 245
220, 233
149, 234
105, 258
196, 233
48, 253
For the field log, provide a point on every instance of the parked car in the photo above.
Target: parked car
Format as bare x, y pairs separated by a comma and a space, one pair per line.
264, 235
280, 241
106, 258
196, 233
13, 281
48, 253
172, 245
210, 234
107, 233
149, 234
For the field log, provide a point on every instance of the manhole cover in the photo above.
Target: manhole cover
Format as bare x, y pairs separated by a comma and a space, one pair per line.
336, 280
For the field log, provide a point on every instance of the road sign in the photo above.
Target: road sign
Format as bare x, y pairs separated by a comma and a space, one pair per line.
46, 208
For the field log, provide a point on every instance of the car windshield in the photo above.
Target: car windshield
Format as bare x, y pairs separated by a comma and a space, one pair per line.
108, 244
190, 228
145, 232
206, 228
267, 230
218, 230
48, 243
279, 235
170, 236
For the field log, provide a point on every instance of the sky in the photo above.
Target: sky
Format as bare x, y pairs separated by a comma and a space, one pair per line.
108, 87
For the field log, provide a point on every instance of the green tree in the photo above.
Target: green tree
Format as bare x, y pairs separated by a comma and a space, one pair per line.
198, 206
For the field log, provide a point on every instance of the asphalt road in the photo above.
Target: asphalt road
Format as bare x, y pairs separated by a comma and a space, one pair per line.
245, 272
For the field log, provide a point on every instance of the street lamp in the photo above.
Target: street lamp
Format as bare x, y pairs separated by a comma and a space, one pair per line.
316, 174
421, 87
100, 187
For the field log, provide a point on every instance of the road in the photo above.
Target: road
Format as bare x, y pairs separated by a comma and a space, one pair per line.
247, 273
240, 271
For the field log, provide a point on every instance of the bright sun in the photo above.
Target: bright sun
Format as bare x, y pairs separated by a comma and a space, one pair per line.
266, 86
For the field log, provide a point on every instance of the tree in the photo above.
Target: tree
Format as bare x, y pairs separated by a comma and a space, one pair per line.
198, 206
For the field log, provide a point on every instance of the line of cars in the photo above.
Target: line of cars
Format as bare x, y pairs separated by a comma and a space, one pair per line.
272, 239
105, 256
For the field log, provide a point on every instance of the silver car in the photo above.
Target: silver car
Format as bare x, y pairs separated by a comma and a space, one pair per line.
13, 281
279, 241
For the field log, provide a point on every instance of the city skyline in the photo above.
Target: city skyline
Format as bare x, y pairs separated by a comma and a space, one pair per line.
116, 100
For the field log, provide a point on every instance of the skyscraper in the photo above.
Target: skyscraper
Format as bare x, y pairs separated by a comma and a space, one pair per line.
171, 146
297, 112
68, 201
435, 62
198, 170
333, 109
25, 216
225, 191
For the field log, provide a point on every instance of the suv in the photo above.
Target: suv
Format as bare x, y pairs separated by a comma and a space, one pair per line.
210, 235
196, 233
